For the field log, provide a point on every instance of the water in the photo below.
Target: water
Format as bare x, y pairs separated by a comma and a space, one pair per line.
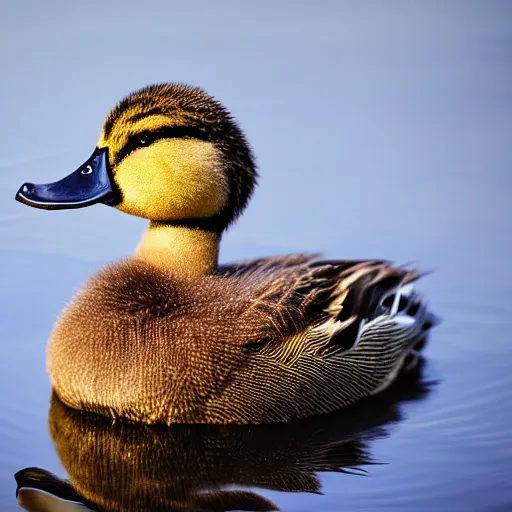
380, 130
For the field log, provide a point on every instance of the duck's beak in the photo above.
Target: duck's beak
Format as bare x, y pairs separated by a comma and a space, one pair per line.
91, 183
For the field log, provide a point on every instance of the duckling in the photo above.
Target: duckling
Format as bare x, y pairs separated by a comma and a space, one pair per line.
169, 335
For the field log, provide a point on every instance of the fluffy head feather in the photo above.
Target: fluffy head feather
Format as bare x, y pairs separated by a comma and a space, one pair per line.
188, 113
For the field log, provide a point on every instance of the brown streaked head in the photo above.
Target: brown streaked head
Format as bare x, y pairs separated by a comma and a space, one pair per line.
167, 152
177, 155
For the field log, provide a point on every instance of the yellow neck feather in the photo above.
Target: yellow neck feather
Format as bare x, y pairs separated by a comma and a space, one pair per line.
185, 252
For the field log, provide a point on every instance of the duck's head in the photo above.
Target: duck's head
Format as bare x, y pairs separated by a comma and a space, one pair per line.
166, 152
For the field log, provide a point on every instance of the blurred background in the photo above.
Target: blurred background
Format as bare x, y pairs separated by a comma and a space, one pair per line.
381, 129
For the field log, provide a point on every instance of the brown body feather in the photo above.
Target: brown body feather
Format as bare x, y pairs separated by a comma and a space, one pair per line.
266, 341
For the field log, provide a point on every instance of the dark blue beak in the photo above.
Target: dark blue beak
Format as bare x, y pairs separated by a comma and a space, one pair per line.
91, 183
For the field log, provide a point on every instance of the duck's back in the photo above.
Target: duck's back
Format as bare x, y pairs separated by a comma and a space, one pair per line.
263, 341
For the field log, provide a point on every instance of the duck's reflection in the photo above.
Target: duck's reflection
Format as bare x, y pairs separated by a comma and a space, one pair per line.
134, 467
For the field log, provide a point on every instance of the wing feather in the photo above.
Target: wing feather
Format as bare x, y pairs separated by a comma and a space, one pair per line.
315, 305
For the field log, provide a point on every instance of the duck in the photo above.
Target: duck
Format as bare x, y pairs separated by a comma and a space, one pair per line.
169, 335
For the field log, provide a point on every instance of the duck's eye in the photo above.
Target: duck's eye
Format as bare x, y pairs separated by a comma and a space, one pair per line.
87, 170
144, 139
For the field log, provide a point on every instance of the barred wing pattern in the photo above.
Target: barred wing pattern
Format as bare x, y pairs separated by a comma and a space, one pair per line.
346, 328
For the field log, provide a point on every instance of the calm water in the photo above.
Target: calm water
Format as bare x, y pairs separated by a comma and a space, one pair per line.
382, 130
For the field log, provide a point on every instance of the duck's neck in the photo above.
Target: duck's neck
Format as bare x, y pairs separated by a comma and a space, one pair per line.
183, 251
